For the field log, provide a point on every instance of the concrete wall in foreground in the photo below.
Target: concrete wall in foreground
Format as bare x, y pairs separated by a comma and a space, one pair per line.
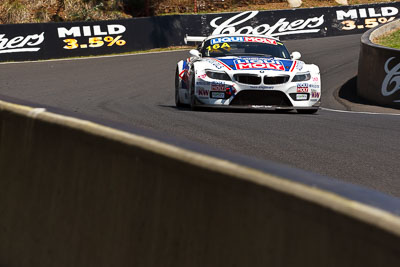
73, 193
379, 68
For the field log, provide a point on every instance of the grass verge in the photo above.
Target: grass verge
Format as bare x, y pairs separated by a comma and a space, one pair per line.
391, 40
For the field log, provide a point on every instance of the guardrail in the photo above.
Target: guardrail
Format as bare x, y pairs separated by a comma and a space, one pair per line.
379, 69
74, 39
75, 193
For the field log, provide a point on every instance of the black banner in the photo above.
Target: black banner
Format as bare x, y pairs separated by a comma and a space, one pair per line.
58, 40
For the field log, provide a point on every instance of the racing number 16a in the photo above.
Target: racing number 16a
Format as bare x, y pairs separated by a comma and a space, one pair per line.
217, 46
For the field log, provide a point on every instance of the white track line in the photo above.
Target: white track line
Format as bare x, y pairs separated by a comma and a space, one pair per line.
360, 112
92, 57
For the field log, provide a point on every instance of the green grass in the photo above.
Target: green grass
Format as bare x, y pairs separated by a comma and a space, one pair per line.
391, 40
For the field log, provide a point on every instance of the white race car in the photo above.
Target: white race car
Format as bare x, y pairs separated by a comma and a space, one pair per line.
246, 71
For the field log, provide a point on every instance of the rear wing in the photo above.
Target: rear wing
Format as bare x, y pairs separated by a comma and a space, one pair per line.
194, 39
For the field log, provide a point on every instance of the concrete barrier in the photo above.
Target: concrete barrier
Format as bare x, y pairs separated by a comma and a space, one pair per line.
379, 68
74, 193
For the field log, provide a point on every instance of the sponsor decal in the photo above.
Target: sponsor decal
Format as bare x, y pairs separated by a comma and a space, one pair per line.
243, 39
202, 76
219, 95
258, 63
315, 79
360, 18
95, 34
391, 83
261, 106
260, 40
302, 88
315, 94
281, 27
271, 66
313, 86
301, 96
257, 60
300, 65
226, 40
201, 92
216, 86
261, 87
203, 83
29, 43
214, 62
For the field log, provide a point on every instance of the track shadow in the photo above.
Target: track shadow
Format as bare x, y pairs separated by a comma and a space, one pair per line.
230, 110
349, 92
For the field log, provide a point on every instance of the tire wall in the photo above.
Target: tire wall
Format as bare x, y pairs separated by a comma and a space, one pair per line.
73, 193
378, 69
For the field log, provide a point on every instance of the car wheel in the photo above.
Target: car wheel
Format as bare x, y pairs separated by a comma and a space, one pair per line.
178, 102
192, 89
307, 111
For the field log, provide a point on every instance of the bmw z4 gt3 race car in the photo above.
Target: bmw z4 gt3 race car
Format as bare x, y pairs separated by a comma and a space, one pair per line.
246, 71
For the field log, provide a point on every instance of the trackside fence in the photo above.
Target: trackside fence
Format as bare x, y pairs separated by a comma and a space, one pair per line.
59, 40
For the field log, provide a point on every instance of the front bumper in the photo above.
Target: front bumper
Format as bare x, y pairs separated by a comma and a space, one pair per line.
274, 97
199, 103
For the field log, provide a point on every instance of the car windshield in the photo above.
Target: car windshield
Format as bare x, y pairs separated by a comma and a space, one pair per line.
244, 46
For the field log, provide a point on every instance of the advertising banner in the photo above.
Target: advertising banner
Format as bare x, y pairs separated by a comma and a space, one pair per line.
58, 40
379, 73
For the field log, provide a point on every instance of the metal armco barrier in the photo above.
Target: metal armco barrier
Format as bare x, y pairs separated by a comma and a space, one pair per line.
379, 69
74, 193
59, 40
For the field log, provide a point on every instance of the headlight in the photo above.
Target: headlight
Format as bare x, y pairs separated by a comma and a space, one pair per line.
301, 77
218, 75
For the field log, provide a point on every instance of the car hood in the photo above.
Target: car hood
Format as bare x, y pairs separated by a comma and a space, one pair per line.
238, 63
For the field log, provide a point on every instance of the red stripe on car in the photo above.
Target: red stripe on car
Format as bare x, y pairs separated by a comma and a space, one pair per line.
294, 65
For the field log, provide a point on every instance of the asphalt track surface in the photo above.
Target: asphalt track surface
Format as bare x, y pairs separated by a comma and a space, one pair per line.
138, 90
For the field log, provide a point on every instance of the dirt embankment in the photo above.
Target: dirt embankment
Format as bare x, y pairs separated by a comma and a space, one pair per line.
30, 11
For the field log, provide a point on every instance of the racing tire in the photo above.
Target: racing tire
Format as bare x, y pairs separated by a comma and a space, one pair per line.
178, 102
192, 89
307, 111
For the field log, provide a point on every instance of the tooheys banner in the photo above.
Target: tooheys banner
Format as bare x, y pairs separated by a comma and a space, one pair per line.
57, 40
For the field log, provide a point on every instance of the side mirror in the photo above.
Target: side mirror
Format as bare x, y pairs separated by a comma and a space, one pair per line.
195, 53
295, 55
